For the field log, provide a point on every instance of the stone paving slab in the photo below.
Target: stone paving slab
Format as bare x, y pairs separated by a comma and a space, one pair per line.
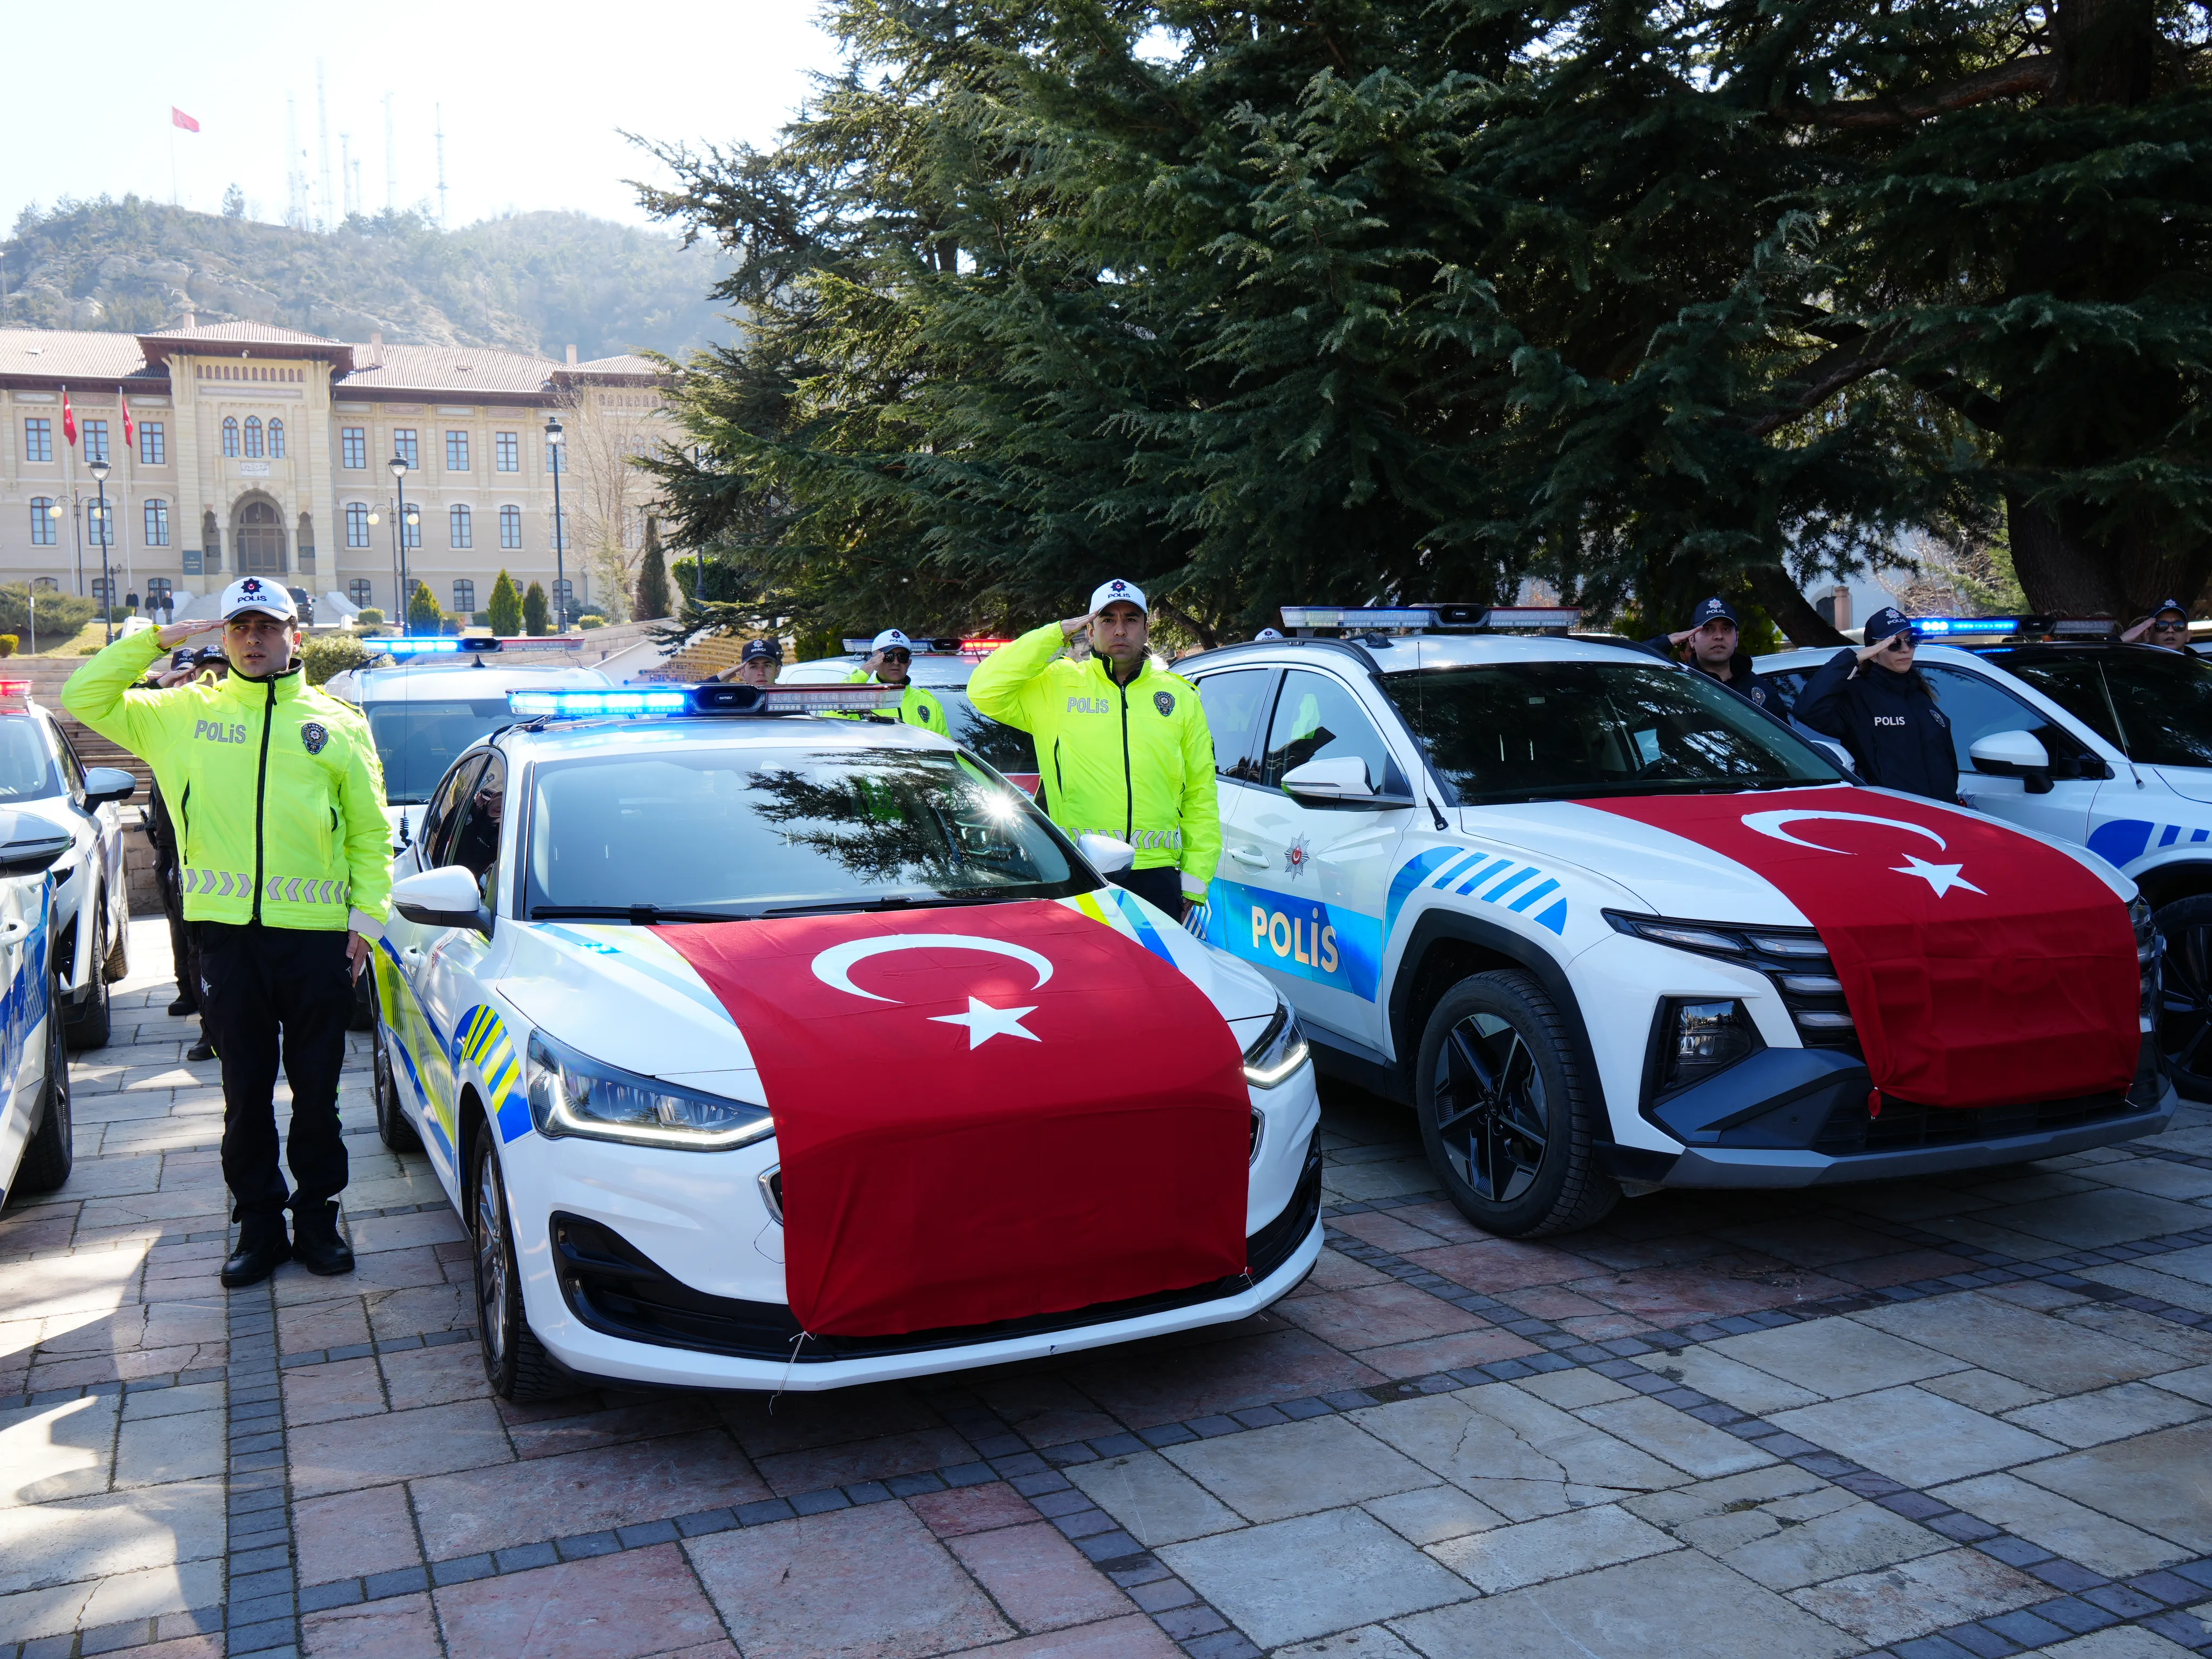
1922, 1419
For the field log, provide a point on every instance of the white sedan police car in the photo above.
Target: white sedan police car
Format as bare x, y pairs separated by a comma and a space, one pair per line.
36, 1144
759, 1048
1607, 927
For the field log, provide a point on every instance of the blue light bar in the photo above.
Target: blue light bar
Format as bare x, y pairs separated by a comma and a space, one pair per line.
429, 645
656, 701
1984, 628
708, 700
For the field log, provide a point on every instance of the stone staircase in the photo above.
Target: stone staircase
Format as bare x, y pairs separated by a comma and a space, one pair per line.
700, 660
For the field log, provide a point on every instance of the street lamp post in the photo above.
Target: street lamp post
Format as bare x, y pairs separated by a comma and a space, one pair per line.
698, 554
399, 523
98, 471
560, 529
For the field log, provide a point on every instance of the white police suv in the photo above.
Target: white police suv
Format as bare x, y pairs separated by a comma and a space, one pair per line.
1606, 925
759, 1048
36, 1146
2062, 729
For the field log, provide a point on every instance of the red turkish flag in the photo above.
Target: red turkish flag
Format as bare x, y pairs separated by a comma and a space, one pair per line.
985, 1112
1981, 967
178, 117
129, 428
69, 418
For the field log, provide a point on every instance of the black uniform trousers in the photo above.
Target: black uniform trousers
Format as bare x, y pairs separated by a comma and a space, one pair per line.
162, 832
1161, 888
267, 992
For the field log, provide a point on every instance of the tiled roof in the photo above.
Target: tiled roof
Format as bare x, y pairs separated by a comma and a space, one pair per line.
241, 333
66, 354
627, 364
446, 369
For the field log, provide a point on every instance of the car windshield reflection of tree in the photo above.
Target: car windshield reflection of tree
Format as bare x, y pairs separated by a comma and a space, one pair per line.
747, 831
2156, 706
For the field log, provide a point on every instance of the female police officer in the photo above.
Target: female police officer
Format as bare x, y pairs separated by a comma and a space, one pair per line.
1883, 709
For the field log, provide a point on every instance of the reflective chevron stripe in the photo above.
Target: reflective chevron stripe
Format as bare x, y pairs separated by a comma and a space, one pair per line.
281, 890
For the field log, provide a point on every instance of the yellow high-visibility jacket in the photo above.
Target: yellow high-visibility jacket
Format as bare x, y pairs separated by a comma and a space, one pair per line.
917, 707
1135, 761
275, 788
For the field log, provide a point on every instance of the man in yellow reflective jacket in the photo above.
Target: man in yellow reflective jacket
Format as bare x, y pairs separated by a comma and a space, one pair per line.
890, 662
1123, 746
278, 803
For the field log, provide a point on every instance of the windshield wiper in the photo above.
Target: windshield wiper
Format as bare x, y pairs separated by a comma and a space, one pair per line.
637, 915
895, 903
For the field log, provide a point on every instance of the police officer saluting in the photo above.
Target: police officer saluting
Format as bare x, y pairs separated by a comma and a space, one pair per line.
890, 662
1873, 700
2168, 628
1716, 653
1124, 747
758, 664
279, 810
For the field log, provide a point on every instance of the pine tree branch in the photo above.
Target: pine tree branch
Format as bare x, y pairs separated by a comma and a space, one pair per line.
2021, 75
1842, 366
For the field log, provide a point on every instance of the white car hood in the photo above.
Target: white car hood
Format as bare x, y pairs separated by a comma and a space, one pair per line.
2189, 782
625, 996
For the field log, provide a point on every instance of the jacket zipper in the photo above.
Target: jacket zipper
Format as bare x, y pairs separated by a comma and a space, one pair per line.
261, 791
1128, 788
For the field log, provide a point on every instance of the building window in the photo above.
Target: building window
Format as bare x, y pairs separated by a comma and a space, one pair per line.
39, 439
464, 598
356, 523
459, 530
230, 437
99, 528
508, 452
95, 440
403, 446
410, 530
42, 521
276, 440
253, 437
553, 458
152, 444
510, 526
564, 598
457, 452
353, 446
101, 593
157, 524
360, 592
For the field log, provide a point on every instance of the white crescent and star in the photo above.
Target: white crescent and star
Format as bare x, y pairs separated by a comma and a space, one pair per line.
1942, 877
833, 967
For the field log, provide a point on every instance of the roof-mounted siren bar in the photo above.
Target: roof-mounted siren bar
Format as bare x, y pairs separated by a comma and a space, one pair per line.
946, 646
1311, 619
705, 700
15, 697
2087, 628
1942, 628
1530, 619
1307, 620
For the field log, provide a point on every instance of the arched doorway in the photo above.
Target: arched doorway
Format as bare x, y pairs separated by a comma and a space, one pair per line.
260, 540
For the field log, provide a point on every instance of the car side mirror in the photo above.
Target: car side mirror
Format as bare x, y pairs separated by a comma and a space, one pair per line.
29, 846
444, 897
1106, 853
2014, 755
103, 784
1325, 782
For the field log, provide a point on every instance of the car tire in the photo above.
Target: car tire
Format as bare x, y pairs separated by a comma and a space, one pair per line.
51, 1151
95, 1014
1506, 1115
515, 1362
394, 1127
2185, 1021
118, 964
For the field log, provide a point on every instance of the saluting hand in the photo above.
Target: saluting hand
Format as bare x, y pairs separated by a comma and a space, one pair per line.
1075, 625
177, 633
1869, 653
1680, 638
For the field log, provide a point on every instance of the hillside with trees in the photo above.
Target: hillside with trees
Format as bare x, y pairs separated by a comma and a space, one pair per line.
534, 282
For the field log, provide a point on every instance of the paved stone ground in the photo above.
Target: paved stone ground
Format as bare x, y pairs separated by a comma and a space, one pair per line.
1926, 1419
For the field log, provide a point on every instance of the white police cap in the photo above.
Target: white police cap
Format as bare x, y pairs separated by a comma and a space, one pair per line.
1117, 591
889, 638
254, 593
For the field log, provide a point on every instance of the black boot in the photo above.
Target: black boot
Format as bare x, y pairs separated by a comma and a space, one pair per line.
186, 1003
316, 1243
203, 1049
261, 1247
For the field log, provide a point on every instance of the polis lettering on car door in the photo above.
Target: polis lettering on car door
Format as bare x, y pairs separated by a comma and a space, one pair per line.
1306, 938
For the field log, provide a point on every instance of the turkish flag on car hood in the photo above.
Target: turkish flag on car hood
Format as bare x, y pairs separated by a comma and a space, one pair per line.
1982, 968
984, 1113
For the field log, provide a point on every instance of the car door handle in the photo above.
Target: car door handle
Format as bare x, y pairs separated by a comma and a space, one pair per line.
1250, 856
413, 953
12, 930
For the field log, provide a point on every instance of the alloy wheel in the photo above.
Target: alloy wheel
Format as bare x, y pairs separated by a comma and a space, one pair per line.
1491, 1114
2185, 1026
492, 1286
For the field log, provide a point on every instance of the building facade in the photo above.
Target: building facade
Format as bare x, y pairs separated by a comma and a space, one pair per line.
263, 451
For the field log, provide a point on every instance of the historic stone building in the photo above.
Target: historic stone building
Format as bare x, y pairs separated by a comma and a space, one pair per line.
263, 450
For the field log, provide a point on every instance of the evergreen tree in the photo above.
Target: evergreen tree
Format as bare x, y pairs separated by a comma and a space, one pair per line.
423, 615
536, 612
650, 603
505, 609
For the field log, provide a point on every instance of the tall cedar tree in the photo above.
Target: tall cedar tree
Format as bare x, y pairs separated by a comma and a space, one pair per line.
423, 616
650, 602
505, 611
1350, 298
537, 611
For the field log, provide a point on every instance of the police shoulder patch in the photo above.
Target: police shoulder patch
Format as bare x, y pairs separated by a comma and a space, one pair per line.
314, 737
1165, 701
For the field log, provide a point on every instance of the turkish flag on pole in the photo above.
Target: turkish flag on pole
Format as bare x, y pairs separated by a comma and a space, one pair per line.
984, 1114
178, 117
69, 418
129, 427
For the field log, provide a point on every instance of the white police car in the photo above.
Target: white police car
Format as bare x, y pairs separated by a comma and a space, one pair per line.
1581, 909
943, 667
2062, 729
36, 1146
654, 999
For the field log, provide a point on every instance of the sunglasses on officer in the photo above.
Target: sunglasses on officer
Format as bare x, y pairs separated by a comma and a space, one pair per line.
1904, 641
2175, 625
898, 654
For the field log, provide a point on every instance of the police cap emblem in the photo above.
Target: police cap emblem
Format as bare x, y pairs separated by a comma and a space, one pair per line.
314, 737
1165, 701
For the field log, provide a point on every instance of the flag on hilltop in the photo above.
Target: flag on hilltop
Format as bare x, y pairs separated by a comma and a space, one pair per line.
69, 419
178, 117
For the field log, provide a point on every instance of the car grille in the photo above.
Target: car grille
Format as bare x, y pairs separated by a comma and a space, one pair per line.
615, 1288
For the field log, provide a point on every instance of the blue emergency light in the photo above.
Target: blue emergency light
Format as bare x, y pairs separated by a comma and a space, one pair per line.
1984, 628
431, 646
717, 699
450, 644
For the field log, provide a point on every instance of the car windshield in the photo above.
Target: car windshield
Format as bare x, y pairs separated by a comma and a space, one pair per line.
417, 742
751, 832
1555, 731
27, 769
1004, 747
2156, 706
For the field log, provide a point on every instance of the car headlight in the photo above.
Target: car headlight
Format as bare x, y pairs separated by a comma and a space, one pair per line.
1279, 1050
571, 1094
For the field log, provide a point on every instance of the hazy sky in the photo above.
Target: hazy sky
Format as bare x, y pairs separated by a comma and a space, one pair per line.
534, 97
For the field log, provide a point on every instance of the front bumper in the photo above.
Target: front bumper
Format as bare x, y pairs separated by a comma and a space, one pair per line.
1799, 1117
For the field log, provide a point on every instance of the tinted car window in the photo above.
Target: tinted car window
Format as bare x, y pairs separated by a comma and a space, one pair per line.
25, 771
2155, 705
1538, 731
475, 844
1318, 718
417, 741
1235, 703
443, 818
1005, 747
1977, 709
